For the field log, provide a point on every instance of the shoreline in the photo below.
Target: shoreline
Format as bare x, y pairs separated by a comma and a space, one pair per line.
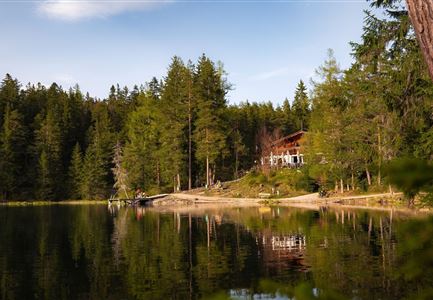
48, 203
185, 202
308, 198
378, 202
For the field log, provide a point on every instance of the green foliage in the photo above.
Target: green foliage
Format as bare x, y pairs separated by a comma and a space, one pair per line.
179, 132
12, 153
376, 111
301, 107
142, 155
174, 102
49, 147
416, 256
411, 176
209, 133
287, 182
97, 178
75, 173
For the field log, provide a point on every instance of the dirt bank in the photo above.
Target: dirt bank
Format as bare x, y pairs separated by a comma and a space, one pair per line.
184, 202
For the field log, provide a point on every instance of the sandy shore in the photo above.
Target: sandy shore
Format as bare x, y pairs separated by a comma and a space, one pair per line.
309, 198
184, 202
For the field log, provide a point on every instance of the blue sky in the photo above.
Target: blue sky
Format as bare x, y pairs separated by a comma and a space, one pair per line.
266, 46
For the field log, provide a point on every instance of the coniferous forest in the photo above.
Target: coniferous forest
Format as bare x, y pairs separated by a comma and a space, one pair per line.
180, 132
60, 144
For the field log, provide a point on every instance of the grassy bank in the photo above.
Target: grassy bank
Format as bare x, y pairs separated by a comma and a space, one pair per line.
276, 184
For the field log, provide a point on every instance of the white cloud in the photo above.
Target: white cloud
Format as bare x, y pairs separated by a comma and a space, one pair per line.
74, 10
270, 74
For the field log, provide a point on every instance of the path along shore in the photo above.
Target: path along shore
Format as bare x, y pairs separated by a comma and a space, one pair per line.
309, 198
186, 202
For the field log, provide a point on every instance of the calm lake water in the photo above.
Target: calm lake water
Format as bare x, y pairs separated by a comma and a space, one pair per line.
96, 252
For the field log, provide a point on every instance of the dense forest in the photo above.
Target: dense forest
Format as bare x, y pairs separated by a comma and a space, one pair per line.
165, 134
179, 131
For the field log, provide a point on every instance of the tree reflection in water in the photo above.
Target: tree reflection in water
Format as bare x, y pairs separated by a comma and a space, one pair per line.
89, 252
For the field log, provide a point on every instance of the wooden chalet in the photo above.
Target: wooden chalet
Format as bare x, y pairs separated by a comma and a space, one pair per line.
285, 152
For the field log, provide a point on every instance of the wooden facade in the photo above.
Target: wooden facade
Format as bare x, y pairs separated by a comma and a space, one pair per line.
285, 152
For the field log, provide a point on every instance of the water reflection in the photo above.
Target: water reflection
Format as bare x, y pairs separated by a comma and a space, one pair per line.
91, 252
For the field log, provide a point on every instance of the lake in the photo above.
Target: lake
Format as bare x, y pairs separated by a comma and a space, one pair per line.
101, 252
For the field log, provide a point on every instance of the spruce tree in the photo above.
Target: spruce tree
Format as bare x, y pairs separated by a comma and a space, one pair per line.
9, 95
175, 120
12, 154
75, 173
142, 155
119, 172
301, 107
97, 178
288, 125
49, 146
209, 133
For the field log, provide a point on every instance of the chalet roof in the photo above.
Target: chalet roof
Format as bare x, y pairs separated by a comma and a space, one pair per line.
290, 136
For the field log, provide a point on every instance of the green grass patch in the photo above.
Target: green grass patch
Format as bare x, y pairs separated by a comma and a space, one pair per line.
280, 183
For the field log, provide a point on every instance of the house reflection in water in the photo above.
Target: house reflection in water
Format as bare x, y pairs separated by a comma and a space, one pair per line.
280, 252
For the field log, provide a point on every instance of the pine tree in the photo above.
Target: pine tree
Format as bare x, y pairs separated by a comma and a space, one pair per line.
9, 95
174, 138
142, 156
238, 148
49, 145
75, 173
288, 125
95, 174
97, 178
209, 134
301, 107
119, 172
12, 154
324, 136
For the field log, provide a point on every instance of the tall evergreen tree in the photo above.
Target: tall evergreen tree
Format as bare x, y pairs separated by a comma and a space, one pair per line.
97, 178
142, 151
49, 146
119, 172
288, 118
301, 107
174, 138
9, 95
75, 173
209, 133
12, 154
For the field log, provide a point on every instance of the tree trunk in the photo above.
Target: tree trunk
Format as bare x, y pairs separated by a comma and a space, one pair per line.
236, 164
379, 142
189, 142
178, 182
207, 171
421, 15
368, 176
353, 182
158, 174
370, 227
207, 160
341, 185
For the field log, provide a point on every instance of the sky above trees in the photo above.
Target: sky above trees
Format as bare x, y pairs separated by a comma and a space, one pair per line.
266, 46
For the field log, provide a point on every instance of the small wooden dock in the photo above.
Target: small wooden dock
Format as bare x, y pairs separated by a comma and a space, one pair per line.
136, 201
